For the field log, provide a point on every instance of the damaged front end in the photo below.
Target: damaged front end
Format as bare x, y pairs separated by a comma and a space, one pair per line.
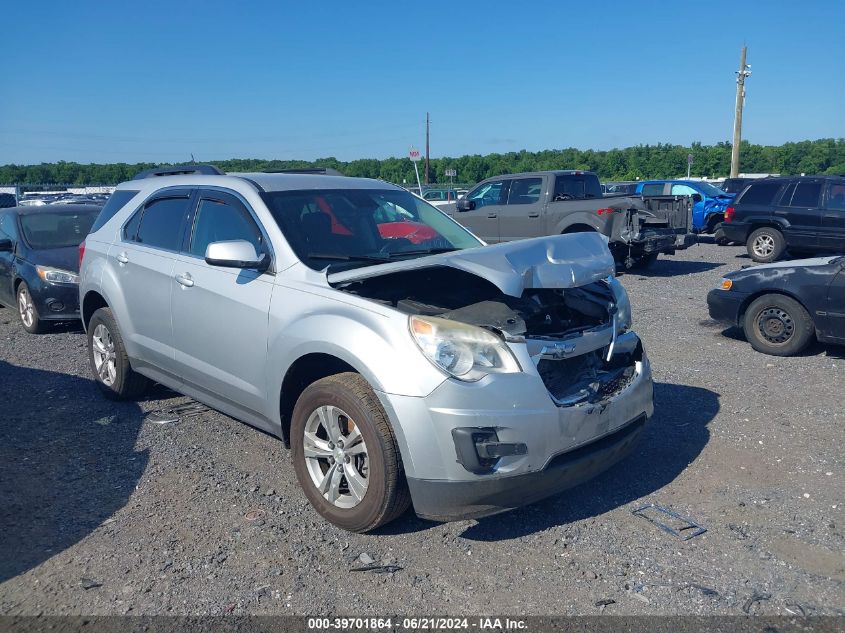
573, 336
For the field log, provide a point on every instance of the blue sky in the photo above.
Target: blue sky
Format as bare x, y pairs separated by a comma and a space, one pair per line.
157, 81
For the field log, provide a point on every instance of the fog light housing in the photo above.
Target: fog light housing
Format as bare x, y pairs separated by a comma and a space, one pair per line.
55, 306
479, 450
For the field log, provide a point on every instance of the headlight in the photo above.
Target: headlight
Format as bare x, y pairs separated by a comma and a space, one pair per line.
56, 275
725, 284
464, 351
624, 318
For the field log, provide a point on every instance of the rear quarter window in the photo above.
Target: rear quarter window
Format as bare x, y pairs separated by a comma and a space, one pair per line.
759, 193
115, 203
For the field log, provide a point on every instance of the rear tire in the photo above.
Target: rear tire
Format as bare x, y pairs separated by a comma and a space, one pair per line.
645, 262
720, 238
28, 313
352, 473
778, 325
109, 361
765, 245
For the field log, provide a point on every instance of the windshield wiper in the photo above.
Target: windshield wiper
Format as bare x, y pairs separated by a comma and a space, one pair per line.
337, 257
425, 251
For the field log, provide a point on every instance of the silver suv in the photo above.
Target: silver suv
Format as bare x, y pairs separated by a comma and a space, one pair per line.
402, 360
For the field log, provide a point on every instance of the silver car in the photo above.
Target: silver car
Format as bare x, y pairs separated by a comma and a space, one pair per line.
401, 359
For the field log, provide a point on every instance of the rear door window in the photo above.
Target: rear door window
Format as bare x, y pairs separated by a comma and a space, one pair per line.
836, 196
576, 187
760, 193
525, 191
806, 194
161, 223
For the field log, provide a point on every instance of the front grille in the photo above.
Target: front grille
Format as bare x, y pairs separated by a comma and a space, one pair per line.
587, 379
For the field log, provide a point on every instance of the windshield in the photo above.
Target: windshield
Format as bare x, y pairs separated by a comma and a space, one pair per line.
709, 190
43, 231
347, 228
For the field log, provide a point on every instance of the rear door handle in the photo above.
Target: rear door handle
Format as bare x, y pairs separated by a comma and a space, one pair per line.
536, 214
185, 280
492, 215
122, 258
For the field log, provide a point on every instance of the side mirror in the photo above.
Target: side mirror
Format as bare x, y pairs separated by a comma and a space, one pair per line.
236, 254
465, 205
6, 246
696, 197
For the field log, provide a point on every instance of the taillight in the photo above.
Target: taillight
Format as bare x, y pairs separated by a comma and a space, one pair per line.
729, 214
81, 253
604, 211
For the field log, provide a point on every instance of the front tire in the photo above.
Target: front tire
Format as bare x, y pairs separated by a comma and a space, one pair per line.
778, 325
765, 245
345, 454
28, 312
109, 361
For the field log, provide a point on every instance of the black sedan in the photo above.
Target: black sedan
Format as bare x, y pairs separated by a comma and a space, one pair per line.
39, 261
784, 306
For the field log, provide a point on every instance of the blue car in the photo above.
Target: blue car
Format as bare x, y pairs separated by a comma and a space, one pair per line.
710, 204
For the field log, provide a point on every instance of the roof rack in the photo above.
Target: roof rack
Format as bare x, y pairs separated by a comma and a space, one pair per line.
179, 170
321, 171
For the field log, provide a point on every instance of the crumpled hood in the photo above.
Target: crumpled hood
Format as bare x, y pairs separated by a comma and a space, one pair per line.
558, 261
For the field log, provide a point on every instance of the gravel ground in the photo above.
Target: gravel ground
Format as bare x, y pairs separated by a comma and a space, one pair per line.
105, 512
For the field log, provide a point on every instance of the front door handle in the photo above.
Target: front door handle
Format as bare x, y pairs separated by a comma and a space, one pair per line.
536, 214
185, 279
122, 258
492, 216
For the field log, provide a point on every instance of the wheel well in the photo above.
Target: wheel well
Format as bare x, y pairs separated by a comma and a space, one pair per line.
751, 298
305, 371
92, 302
760, 225
579, 228
713, 220
17, 284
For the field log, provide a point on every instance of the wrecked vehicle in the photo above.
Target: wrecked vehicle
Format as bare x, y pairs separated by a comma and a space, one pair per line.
785, 306
461, 378
519, 206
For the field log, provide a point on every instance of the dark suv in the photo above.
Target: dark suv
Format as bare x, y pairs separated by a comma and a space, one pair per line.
801, 214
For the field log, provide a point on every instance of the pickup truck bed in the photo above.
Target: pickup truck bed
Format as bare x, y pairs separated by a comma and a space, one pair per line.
520, 206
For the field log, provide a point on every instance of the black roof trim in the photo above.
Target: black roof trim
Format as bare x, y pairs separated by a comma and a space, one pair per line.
320, 171
179, 170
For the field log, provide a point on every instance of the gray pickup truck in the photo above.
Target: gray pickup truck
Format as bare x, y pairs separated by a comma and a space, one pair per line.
519, 206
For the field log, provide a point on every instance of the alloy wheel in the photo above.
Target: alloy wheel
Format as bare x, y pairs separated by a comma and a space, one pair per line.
764, 246
26, 308
336, 456
102, 347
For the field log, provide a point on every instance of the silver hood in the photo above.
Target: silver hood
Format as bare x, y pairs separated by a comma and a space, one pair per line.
558, 261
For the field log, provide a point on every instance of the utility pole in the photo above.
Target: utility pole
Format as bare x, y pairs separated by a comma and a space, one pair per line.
426, 150
742, 74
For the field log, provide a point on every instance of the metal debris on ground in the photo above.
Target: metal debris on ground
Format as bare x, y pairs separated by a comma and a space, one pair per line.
378, 569
254, 515
168, 415
707, 591
87, 583
685, 528
755, 597
605, 602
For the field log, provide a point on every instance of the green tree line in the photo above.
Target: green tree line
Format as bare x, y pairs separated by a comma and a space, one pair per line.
642, 161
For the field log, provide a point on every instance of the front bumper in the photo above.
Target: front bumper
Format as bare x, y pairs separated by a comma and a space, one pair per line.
566, 445
55, 302
725, 306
